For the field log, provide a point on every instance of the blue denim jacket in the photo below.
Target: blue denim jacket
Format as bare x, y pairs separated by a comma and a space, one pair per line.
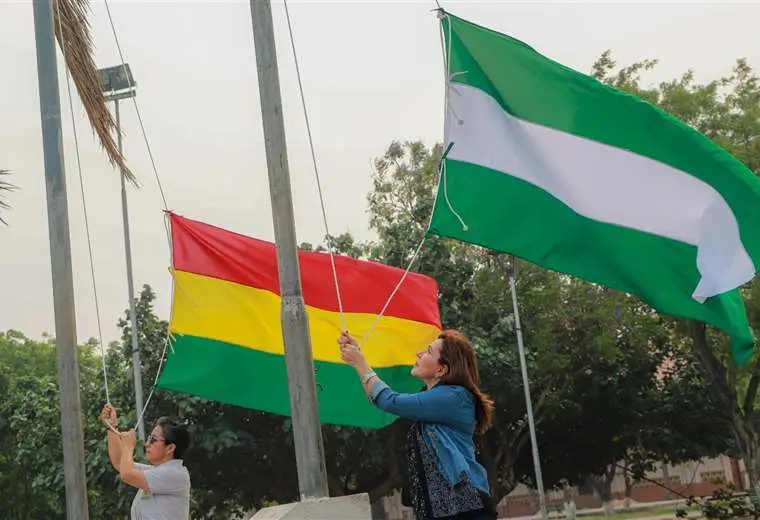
447, 414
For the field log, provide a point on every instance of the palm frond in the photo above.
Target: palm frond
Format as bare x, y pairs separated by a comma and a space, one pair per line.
5, 187
72, 29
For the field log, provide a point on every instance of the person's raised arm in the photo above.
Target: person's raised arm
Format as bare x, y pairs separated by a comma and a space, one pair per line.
128, 471
433, 405
108, 417
114, 449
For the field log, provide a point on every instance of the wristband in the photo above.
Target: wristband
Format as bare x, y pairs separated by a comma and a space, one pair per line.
366, 377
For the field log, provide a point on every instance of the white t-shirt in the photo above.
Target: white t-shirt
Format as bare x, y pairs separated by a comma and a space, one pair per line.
169, 496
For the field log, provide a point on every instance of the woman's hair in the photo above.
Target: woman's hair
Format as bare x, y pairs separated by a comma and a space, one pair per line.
174, 433
458, 356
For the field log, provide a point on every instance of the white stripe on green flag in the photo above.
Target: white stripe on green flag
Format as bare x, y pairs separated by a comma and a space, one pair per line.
552, 166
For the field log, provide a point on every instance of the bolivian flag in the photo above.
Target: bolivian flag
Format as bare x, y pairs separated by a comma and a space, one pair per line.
226, 331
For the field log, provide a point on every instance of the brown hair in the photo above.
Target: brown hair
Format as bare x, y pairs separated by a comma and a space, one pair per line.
458, 356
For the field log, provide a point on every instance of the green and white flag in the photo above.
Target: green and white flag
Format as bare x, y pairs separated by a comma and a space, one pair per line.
557, 168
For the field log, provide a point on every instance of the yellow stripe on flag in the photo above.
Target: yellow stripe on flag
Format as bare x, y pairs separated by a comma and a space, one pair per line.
240, 315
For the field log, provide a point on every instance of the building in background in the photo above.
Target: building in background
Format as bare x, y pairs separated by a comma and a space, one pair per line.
693, 479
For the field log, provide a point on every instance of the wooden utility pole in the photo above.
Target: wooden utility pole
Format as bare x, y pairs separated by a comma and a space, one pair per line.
307, 433
60, 260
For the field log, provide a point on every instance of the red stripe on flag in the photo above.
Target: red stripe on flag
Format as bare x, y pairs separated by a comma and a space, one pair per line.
364, 286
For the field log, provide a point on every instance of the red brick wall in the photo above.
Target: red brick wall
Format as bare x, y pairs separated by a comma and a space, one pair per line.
520, 505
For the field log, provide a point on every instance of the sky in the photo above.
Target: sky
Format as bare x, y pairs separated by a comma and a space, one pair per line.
372, 73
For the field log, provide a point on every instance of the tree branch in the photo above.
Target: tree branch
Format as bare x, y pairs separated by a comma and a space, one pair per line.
393, 480
754, 384
385, 488
519, 439
334, 485
712, 366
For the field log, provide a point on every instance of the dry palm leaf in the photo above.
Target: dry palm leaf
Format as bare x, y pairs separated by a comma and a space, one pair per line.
4, 188
72, 29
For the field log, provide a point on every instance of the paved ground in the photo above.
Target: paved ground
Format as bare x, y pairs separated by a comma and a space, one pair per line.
641, 508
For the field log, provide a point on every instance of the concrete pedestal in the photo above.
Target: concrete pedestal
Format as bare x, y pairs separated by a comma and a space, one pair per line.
351, 507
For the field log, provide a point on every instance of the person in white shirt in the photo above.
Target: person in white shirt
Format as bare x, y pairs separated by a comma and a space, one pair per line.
164, 484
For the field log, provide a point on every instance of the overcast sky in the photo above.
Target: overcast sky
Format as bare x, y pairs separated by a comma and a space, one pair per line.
372, 73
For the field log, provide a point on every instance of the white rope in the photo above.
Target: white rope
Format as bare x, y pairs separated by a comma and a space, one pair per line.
322, 204
168, 340
443, 178
139, 117
155, 380
316, 172
163, 200
395, 290
84, 203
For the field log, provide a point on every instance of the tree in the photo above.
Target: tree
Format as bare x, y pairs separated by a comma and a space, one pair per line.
685, 424
31, 464
632, 396
727, 110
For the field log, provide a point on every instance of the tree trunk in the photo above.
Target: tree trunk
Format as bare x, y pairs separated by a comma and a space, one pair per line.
569, 501
378, 510
532, 496
385, 488
498, 456
602, 486
751, 457
628, 484
666, 481
740, 413
748, 440
607, 496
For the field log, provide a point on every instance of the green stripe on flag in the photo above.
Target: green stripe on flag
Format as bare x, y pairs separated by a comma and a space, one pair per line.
218, 371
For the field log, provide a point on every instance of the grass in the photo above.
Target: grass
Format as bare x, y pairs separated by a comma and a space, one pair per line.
662, 511
669, 511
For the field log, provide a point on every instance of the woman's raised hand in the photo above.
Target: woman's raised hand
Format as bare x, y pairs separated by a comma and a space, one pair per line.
345, 339
349, 351
108, 415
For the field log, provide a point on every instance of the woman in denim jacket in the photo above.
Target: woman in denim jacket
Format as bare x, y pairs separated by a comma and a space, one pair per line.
446, 482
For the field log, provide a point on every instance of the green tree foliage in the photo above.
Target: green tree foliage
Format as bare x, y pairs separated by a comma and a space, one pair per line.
31, 462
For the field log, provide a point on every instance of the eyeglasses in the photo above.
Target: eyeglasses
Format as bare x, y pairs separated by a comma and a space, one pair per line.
152, 439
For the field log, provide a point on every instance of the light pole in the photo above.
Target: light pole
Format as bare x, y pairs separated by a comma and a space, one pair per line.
117, 83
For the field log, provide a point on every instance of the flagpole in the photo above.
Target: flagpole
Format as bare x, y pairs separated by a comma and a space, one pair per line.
526, 388
307, 432
72, 434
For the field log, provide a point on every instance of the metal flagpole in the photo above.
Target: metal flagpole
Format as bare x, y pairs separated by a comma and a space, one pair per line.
307, 432
72, 434
526, 388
